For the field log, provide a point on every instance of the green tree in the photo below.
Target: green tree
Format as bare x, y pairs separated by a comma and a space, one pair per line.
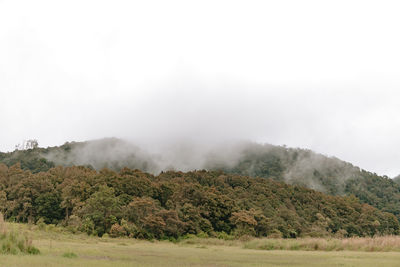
102, 208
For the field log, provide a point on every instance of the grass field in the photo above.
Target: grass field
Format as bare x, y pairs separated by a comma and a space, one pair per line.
60, 248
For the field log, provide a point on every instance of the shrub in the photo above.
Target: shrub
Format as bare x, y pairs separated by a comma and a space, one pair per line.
130, 228
88, 227
41, 224
74, 223
70, 255
275, 234
225, 236
12, 242
202, 235
117, 230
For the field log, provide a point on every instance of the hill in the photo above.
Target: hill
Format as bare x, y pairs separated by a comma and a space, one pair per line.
173, 204
290, 165
109, 153
306, 168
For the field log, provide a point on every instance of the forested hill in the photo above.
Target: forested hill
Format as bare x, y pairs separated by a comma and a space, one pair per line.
109, 153
316, 171
173, 204
291, 165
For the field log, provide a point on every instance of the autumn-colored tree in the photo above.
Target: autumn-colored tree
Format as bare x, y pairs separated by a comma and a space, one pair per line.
244, 222
172, 204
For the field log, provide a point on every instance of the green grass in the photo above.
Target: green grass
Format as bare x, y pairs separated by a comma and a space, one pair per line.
70, 255
60, 248
14, 241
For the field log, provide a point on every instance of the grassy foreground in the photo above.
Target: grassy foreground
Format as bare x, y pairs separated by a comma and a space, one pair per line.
60, 248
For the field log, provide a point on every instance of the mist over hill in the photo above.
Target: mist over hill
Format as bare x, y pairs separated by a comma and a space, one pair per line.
291, 165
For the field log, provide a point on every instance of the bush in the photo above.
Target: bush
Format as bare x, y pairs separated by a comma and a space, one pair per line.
275, 234
225, 236
70, 255
202, 235
74, 223
41, 224
130, 228
88, 227
15, 243
12, 242
117, 230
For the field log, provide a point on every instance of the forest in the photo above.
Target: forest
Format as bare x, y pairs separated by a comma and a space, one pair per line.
294, 166
174, 204
309, 169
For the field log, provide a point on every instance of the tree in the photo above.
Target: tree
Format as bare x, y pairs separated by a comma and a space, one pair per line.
244, 221
27, 144
102, 208
48, 207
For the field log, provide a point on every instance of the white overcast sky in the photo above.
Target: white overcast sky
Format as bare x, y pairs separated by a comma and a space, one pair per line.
323, 75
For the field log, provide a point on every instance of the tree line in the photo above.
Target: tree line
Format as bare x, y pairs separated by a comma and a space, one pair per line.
174, 204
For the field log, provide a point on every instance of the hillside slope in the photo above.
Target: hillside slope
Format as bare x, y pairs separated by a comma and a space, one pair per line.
316, 171
174, 204
291, 165
109, 153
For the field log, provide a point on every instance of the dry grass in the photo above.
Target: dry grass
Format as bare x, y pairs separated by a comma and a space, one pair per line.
382, 243
60, 248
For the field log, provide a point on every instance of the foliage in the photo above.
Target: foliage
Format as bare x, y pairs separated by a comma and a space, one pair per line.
306, 168
291, 165
174, 204
69, 255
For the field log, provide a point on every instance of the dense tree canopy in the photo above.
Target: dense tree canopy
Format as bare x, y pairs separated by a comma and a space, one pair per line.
172, 204
312, 170
293, 166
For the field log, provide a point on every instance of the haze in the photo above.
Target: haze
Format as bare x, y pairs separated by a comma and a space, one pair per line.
322, 75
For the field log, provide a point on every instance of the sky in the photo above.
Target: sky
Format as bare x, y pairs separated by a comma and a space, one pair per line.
322, 75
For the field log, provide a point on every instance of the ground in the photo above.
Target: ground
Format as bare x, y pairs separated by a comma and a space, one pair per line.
63, 249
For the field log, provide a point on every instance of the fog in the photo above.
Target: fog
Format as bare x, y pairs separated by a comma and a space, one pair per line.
192, 76
117, 153
294, 166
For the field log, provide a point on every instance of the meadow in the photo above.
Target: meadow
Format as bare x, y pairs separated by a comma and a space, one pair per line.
61, 248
